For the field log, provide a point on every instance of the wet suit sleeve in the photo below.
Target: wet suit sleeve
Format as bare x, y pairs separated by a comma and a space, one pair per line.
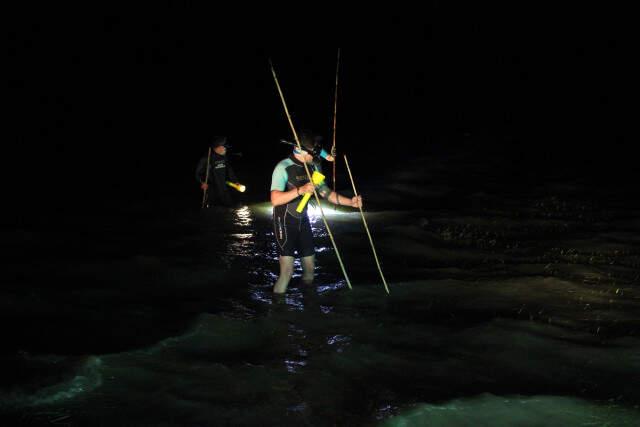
279, 178
201, 170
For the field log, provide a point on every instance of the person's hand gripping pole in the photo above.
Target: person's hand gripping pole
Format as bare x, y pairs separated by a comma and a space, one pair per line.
317, 178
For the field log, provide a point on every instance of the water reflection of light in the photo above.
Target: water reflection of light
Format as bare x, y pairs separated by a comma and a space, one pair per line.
314, 211
337, 339
326, 309
294, 301
244, 248
329, 211
261, 285
264, 209
301, 407
262, 295
331, 287
243, 216
242, 235
294, 365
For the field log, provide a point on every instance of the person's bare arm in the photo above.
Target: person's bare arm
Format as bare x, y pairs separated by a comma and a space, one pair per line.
283, 197
337, 199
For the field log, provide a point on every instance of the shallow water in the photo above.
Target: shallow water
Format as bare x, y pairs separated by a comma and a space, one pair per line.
504, 310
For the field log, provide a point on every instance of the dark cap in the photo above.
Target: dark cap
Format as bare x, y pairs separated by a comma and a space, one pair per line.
219, 141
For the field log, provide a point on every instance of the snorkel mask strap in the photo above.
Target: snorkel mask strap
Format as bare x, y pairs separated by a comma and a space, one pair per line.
317, 152
323, 153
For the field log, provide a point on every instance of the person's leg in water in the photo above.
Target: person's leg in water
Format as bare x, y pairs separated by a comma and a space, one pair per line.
286, 271
308, 269
307, 251
291, 237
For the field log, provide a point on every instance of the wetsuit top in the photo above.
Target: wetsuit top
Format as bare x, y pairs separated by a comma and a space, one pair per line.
289, 174
219, 170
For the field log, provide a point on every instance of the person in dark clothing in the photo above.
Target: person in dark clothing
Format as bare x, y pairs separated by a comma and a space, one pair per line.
220, 171
292, 229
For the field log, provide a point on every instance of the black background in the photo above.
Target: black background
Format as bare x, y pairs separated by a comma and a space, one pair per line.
122, 105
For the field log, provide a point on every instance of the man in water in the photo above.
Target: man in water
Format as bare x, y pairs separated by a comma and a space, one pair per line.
292, 229
220, 171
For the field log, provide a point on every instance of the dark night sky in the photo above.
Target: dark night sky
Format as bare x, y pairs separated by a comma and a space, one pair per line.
116, 103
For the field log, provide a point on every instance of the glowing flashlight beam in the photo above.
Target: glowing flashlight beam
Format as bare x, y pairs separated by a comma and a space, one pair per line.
241, 188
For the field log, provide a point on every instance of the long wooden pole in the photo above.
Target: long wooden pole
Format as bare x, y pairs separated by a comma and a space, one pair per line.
335, 115
206, 180
306, 168
373, 248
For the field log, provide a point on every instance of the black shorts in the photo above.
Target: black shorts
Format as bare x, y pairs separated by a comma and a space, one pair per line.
293, 234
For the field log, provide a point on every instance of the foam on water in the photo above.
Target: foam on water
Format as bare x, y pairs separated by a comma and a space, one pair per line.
523, 411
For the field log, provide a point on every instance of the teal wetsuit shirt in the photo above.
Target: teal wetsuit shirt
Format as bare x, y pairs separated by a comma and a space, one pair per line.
292, 229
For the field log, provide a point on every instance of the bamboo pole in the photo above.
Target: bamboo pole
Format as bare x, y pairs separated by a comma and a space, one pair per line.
306, 168
373, 248
206, 180
335, 115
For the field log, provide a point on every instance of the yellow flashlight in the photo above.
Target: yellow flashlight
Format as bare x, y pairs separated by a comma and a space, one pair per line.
317, 179
237, 186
